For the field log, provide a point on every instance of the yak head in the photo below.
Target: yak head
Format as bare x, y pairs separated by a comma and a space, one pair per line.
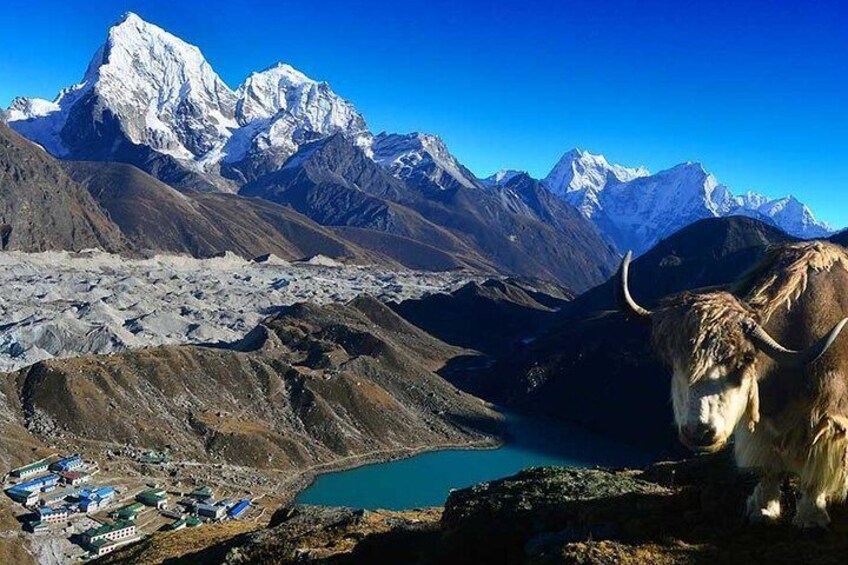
712, 341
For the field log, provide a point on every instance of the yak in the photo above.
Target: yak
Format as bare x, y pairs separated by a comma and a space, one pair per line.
759, 361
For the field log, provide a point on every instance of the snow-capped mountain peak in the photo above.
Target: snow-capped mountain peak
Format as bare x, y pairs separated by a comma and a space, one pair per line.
423, 158
501, 177
282, 87
165, 91
791, 215
153, 90
579, 170
160, 89
25, 108
263, 93
636, 209
579, 176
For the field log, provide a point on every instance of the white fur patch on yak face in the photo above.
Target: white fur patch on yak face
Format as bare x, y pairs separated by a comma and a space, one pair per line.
707, 411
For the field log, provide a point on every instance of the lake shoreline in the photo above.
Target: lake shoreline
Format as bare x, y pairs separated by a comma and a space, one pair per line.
423, 476
306, 478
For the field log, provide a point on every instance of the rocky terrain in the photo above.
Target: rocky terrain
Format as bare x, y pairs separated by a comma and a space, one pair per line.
491, 316
151, 100
519, 228
310, 389
685, 512
60, 304
307, 387
157, 218
42, 208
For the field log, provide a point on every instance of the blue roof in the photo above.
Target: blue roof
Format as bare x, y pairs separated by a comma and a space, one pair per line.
89, 494
37, 482
67, 462
239, 508
18, 491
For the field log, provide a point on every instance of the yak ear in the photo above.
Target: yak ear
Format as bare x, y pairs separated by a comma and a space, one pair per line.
625, 300
789, 357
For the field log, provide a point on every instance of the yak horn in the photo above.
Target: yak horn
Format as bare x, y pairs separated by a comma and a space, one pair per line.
626, 302
768, 345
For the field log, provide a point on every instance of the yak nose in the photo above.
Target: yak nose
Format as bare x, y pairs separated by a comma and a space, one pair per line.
698, 435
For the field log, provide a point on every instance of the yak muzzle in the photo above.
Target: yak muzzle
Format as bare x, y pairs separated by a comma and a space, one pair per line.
701, 438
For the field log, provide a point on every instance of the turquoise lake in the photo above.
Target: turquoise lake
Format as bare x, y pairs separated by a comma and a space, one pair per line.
426, 479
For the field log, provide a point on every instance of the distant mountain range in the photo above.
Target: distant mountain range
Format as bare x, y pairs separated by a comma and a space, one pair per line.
151, 100
636, 209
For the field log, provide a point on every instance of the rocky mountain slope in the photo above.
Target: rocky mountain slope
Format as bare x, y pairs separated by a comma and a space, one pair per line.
423, 160
41, 208
684, 512
491, 317
636, 209
519, 224
307, 387
66, 304
504, 230
157, 218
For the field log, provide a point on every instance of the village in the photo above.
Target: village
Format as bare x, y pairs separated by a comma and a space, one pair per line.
68, 502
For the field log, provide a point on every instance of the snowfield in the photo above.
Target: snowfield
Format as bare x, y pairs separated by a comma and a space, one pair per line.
61, 304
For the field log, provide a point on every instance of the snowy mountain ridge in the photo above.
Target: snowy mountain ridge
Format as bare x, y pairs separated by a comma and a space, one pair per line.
636, 209
422, 158
166, 96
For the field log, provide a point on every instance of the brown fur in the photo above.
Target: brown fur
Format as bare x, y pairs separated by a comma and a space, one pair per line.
798, 292
782, 277
696, 330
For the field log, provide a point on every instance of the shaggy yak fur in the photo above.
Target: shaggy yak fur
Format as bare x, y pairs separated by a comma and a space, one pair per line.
784, 419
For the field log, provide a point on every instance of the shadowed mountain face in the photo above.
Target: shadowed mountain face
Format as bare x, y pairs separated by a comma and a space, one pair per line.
156, 217
41, 208
595, 367
492, 317
521, 230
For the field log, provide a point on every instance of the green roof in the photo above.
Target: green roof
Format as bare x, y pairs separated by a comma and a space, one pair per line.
193, 521
29, 467
106, 528
128, 513
177, 523
201, 492
150, 497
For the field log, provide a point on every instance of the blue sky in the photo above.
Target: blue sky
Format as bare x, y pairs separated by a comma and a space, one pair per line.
756, 91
